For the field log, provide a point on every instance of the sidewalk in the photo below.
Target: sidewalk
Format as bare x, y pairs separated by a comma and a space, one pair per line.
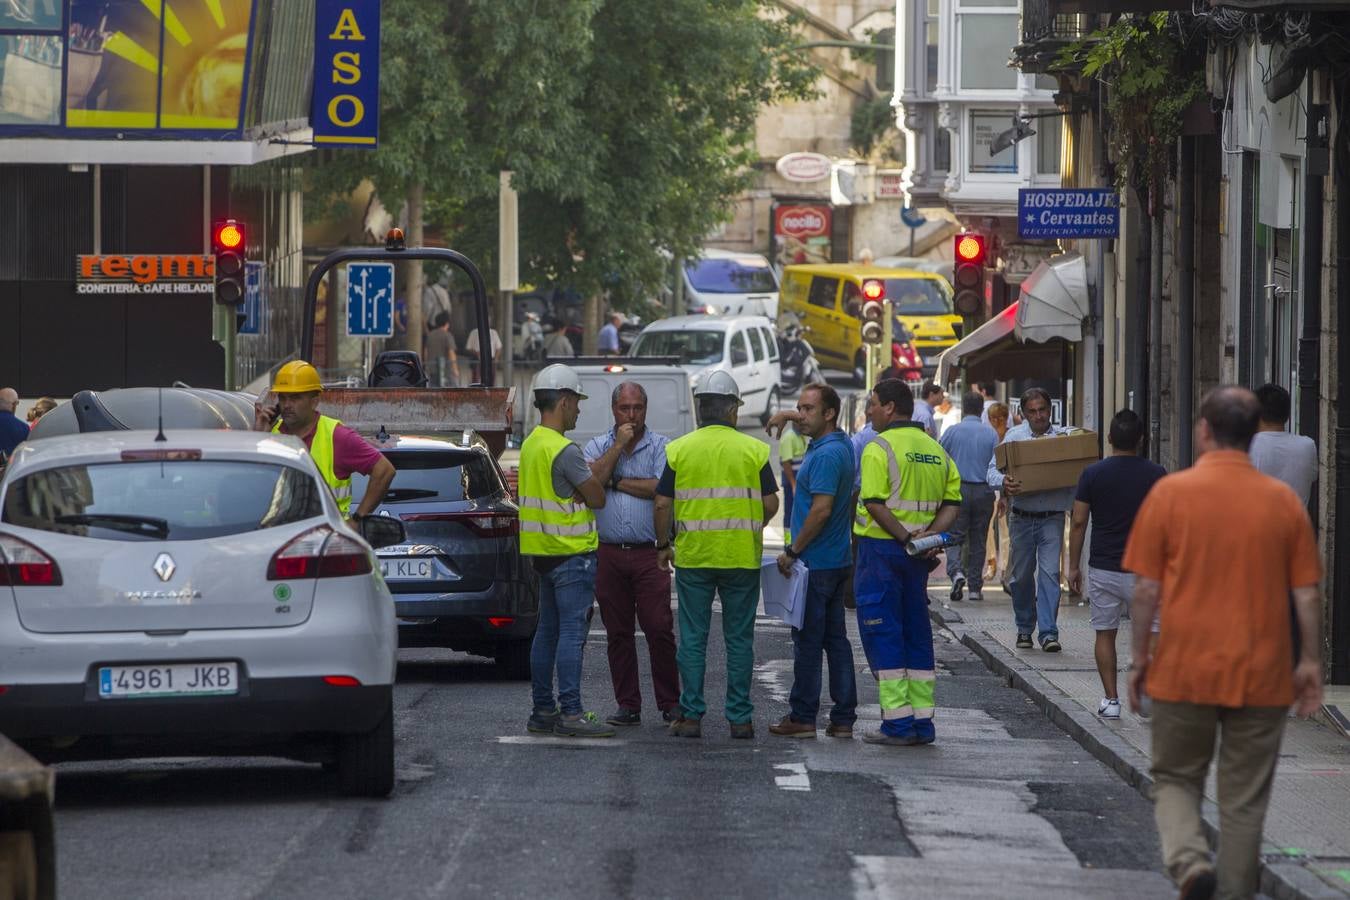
1308, 823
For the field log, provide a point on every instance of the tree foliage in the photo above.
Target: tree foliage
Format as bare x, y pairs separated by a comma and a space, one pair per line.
629, 126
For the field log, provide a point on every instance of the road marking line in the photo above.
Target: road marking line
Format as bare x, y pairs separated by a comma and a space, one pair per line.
797, 781
548, 740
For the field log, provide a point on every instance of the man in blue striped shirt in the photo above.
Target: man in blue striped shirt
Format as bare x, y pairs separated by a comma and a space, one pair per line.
629, 585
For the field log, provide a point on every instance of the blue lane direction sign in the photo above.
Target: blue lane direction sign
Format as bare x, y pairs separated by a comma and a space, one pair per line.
370, 299
1068, 213
254, 305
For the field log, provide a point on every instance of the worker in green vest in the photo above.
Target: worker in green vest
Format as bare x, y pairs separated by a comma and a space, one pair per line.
791, 451
336, 449
718, 492
910, 489
557, 532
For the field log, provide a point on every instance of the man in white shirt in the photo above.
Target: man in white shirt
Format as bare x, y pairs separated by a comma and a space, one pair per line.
1292, 458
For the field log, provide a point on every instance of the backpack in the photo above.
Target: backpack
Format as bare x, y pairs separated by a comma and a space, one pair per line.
397, 368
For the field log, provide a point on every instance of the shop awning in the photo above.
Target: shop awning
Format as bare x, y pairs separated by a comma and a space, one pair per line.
1053, 304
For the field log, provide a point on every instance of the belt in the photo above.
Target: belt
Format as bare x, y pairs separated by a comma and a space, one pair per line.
635, 545
964, 481
1037, 515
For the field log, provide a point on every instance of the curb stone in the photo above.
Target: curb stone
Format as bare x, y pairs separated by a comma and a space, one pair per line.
1281, 880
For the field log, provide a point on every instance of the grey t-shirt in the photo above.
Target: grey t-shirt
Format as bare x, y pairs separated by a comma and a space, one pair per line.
569, 471
1292, 458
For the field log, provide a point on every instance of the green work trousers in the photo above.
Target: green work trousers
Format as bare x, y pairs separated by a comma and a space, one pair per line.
739, 592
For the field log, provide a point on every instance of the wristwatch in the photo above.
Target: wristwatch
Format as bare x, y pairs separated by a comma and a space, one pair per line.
663, 546
791, 554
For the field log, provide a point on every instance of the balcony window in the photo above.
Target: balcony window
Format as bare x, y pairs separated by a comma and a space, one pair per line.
1048, 145
885, 59
986, 43
985, 125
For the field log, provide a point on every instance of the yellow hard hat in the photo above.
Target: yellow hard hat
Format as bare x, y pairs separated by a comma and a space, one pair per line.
296, 377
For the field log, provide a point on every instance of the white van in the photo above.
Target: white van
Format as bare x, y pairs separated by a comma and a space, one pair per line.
670, 401
744, 346
727, 283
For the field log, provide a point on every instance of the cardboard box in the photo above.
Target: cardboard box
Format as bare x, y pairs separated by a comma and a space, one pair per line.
1047, 463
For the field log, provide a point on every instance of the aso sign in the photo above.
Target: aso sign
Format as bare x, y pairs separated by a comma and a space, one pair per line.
801, 233
346, 72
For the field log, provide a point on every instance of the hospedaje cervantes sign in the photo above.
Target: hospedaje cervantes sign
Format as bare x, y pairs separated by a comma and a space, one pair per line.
145, 273
346, 98
1050, 213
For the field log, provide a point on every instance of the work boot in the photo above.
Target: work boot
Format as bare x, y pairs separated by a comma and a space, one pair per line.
625, 716
689, 728
744, 731
584, 725
789, 727
1023, 640
838, 730
890, 740
542, 721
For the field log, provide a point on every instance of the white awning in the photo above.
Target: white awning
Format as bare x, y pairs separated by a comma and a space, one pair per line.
1053, 304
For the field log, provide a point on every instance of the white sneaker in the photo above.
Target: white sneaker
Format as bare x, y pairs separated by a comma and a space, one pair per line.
958, 587
1109, 709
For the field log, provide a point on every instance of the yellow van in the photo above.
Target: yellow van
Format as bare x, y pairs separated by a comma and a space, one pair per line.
827, 298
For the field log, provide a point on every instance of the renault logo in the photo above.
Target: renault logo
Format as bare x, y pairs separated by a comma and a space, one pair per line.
164, 566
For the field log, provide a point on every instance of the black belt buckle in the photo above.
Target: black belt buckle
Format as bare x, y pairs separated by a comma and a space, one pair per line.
643, 545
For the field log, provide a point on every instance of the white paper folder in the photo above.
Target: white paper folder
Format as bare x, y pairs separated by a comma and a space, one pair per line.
784, 598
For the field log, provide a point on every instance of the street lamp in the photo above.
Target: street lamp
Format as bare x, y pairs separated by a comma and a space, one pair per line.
1021, 130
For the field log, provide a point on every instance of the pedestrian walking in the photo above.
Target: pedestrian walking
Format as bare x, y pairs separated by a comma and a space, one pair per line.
821, 539
791, 449
1036, 524
986, 390
970, 443
718, 492
910, 489
630, 588
1110, 493
557, 530
996, 415
337, 450
439, 352
930, 395
608, 342
1292, 458
471, 350
1220, 547
13, 430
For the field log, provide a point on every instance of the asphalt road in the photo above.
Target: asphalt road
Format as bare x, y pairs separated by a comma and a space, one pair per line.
1003, 805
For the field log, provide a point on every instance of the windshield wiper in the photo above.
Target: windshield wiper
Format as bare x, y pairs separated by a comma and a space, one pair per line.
144, 524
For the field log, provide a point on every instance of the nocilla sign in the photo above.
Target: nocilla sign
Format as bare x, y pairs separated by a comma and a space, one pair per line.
346, 108
145, 273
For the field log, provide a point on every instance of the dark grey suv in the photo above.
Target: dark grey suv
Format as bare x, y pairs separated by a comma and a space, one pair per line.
458, 580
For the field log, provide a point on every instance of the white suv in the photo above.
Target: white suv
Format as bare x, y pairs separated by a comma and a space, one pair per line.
195, 595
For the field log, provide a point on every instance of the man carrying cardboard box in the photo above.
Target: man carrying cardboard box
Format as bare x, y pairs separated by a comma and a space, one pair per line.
1036, 526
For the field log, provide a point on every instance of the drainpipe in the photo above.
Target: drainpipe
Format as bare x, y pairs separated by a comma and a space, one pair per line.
1138, 391
1154, 317
1185, 301
1340, 599
1310, 341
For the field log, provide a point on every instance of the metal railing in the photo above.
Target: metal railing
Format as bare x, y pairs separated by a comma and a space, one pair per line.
1041, 21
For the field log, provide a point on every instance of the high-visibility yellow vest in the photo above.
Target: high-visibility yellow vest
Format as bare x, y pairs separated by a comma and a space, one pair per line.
550, 525
911, 471
719, 504
321, 451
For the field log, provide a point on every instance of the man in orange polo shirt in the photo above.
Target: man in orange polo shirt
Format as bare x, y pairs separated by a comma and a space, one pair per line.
1221, 547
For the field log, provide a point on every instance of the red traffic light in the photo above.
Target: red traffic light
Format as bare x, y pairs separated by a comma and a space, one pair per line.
970, 248
228, 235
873, 290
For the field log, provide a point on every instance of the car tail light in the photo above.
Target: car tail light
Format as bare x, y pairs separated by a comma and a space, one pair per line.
25, 565
500, 621
484, 524
319, 553
342, 680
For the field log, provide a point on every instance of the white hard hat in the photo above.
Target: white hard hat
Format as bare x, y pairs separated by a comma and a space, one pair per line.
558, 377
718, 382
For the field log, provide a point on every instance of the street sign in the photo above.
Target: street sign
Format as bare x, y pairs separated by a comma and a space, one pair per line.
1068, 213
912, 217
370, 299
253, 307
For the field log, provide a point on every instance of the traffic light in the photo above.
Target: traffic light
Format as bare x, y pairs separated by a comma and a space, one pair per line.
873, 311
971, 257
227, 243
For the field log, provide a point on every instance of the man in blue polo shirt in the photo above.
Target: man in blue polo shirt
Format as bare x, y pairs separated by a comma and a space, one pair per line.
13, 431
821, 529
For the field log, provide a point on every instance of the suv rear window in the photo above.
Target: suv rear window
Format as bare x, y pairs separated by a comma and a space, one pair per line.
427, 475
157, 501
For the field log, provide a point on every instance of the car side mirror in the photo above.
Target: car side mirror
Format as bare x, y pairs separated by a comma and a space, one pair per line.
382, 531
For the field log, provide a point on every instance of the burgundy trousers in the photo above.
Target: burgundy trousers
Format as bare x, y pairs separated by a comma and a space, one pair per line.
631, 589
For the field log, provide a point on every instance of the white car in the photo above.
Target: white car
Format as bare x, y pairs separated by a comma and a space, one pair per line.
744, 346
192, 595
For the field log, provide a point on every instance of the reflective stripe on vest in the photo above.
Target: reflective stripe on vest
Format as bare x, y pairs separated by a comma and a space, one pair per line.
550, 525
718, 504
321, 451
912, 512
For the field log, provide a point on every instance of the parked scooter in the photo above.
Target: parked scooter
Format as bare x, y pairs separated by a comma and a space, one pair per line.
796, 359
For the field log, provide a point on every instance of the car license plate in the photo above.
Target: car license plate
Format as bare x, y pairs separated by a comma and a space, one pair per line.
408, 569
179, 680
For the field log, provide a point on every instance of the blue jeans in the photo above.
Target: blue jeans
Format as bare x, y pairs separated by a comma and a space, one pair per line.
565, 598
823, 630
1035, 573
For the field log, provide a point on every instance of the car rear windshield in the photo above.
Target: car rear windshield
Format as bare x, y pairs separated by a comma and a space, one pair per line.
731, 276
157, 501
692, 347
919, 297
426, 475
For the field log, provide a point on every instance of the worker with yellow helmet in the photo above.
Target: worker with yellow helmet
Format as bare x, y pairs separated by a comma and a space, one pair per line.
336, 449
